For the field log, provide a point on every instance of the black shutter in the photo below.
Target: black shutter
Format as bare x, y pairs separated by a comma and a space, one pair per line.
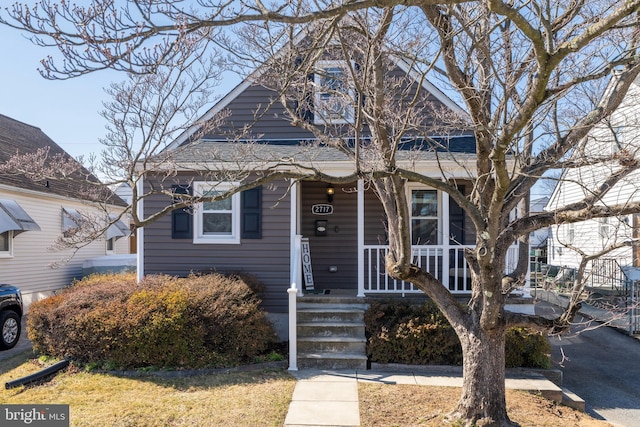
181, 219
251, 214
304, 109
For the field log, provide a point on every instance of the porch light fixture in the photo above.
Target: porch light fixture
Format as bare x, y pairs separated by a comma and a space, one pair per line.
330, 193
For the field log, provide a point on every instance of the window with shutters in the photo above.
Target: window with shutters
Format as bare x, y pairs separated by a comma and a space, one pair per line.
216, 221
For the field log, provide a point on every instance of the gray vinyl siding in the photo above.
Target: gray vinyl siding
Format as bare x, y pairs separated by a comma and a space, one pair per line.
375, 220
339, 247
266, 258
269, 120
272, 124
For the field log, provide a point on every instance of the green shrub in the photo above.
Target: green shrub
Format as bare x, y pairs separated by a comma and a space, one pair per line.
210, 320
418, 334
527, 348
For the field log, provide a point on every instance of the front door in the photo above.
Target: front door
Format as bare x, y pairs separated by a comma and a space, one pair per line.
332, 234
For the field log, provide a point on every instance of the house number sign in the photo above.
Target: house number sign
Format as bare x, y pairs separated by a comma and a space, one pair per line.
323, 209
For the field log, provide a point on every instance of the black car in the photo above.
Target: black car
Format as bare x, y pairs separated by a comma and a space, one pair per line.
10, 316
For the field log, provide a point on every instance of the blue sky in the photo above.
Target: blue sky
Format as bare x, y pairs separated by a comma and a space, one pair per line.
67, 111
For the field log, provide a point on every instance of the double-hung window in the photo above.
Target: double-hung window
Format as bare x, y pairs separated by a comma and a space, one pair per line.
13, 221
424, 216
5, 244
334, 95
604, 228
571, 233
71, 222
216, 221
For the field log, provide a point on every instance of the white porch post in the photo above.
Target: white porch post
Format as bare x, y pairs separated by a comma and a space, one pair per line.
446, 236
526, 289
360, 215
294, 272
140, 231
295, 277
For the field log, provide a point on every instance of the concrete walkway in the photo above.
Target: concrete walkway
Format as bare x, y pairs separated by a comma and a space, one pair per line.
330, 398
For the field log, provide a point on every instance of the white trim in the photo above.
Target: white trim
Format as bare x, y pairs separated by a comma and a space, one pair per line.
445, 224
294, 239
428, 86
454, 168
25, 192
360, 238
140, 231
210, 114
412, 186
198, 234
111, 251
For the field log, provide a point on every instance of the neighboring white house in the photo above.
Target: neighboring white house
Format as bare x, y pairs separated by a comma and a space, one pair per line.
538, 239
34, 214
618, 135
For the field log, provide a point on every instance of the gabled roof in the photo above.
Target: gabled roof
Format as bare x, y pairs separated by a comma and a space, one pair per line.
250, 80
20, 138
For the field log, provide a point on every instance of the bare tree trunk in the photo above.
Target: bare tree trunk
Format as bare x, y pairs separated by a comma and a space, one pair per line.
483, 391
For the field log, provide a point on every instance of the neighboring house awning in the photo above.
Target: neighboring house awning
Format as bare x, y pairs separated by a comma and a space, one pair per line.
117, 229
13, 217
71, 219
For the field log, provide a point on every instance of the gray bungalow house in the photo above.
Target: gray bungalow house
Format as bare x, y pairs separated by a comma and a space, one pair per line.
334, 234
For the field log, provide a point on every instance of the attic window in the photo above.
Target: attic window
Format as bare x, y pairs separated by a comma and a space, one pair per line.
334, 94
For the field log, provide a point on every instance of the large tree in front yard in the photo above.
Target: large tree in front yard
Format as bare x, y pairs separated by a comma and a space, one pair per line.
520, 69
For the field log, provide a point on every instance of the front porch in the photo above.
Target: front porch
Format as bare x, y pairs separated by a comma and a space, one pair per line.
346, 238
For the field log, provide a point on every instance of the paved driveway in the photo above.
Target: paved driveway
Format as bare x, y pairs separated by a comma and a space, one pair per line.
602, 366
23, 343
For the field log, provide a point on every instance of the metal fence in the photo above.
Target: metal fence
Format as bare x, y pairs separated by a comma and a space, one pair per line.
607, 288
633, 292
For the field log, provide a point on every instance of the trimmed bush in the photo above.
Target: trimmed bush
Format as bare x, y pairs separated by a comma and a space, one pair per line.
165, 322
419, 334
528, 349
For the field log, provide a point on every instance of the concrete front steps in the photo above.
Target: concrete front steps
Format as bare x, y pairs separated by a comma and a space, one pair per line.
331, 333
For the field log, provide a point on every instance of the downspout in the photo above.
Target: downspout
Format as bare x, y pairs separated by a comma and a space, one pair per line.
140, 231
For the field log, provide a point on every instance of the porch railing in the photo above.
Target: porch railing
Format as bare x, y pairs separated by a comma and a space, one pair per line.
445, 262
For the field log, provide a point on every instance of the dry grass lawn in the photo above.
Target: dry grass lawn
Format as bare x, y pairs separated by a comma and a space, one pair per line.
237, 399
245, 399
384, 405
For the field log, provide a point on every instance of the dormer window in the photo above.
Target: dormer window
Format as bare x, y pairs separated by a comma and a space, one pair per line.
334, 94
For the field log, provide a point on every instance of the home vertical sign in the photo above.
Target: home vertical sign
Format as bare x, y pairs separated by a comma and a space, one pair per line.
307, 272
